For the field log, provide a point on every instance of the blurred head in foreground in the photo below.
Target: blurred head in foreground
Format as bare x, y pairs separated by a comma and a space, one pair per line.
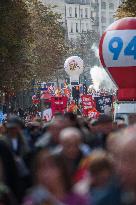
51, 173
70, 139
122, 146
100, 168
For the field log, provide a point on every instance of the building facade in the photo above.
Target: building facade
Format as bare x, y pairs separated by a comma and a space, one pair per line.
103, 12
78, 17
84, 15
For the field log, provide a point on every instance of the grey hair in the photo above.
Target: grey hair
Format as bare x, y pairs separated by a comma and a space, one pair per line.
68, 133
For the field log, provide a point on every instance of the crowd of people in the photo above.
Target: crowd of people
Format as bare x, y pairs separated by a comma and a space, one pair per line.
68, 161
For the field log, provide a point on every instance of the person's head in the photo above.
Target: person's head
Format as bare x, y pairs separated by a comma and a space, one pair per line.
101, 128
35, 129
55, 128
120, 121
123, 150
70, 139
71, 119
51, 170
103, 125
112, 142
2, 130
100, 168
14, 126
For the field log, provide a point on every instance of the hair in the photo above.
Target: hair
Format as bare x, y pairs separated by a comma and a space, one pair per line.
9, 173
68, 133
59, 161
103, 119
73, 118
100, 162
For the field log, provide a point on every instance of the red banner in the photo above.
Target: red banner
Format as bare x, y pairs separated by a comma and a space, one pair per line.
87, 104
59, 104
93, 113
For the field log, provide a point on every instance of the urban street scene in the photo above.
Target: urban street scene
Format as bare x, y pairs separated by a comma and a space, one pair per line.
67, 102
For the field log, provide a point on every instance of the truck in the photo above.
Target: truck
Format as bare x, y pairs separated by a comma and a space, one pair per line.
125, 110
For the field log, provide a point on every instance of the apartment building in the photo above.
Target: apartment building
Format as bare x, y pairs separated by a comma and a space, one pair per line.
83, 15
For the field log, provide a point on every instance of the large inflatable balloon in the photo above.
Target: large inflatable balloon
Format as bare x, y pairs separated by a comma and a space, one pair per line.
74, 67
118, 54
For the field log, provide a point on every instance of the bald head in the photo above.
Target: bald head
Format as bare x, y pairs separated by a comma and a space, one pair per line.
124, 153
70, 133
70, 139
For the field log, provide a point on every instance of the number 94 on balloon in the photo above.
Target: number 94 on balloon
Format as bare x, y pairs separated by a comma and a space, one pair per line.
119, 48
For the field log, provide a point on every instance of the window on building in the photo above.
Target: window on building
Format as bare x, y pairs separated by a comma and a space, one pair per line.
76, 12
111, 6
87, 27
103, 5
77, 27
81, 13
87, 1
82, 27
103, 19
94, 4
71, 28
70, 11
86, 13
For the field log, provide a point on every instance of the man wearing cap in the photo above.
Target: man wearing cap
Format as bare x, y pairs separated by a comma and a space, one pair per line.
14, 138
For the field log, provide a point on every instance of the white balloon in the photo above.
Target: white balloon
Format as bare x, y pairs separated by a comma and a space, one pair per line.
74, 66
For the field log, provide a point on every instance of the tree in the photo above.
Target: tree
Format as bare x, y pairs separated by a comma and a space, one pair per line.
14, 29
31, 43
126, 9
48, 47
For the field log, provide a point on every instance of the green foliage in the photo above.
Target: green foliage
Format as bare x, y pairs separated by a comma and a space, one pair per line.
14, 32
31, 43
126, 9
48, 47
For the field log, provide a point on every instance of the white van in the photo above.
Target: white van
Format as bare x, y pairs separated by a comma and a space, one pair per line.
125, 109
